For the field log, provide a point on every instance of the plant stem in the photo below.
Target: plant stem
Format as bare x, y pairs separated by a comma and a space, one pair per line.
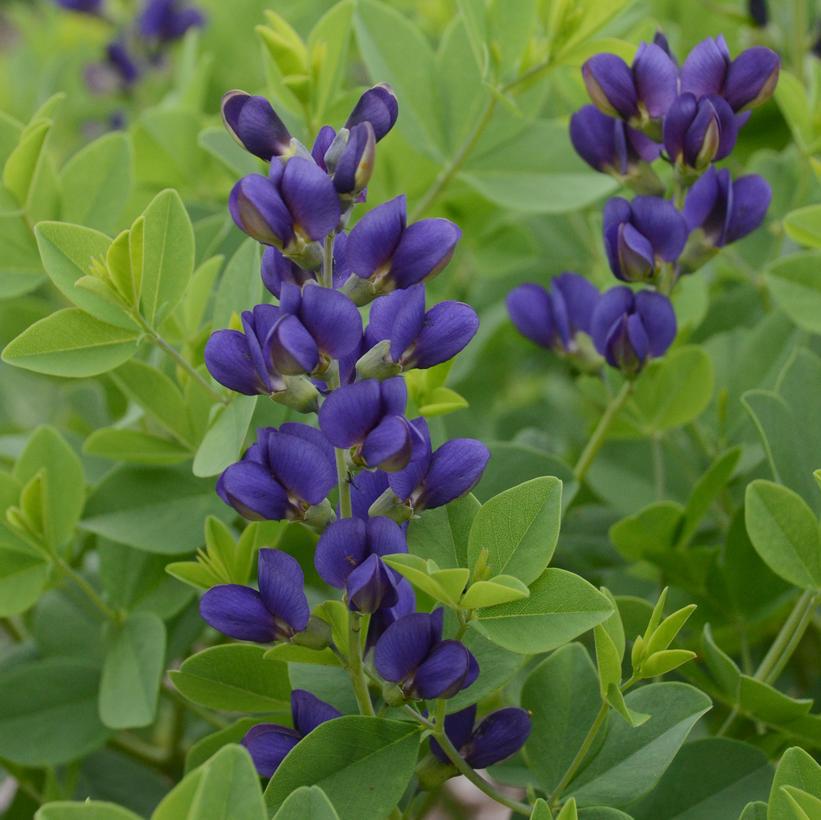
577, 761
788, 638
89, 590
600, 433
175, 697
474, 777
360, 683
327, 272
12, 630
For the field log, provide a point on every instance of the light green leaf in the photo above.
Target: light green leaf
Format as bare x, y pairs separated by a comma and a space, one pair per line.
26, 161
804, 226
134, 447
442, 585
223, 443
518, 529
561, 607
756, 810
363, 764
88, 810
328, 43
23, 576
20, 268
569, 811
795, 283
632, 759
441, 534
796, 768
498, 590
307, 803
71, 343
48, 712
132, 671
96, 183
234, 677
168, 255
240, 285
784, 532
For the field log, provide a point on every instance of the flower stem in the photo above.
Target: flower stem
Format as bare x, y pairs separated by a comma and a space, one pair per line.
327, 272
358, 679
88, 590
788, 638
600, 433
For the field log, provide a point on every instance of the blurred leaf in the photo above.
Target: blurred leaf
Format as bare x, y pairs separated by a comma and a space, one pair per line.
307, 803
796, 768
328, 43
23, 576
441, 534
804, 226
134, 447
795, 283
88, 810
20, 268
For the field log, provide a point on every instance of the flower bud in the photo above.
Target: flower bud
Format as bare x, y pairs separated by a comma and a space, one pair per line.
317, 635
254, 124
698, 132
379, 107
353, 166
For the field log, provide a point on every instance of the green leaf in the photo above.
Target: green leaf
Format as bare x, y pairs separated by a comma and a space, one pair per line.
23, 576
709, 778
234, 677
48, 712
569, 811
20, 268
199, 293
562, 696
445, 585
307, 803
561, 607
168, 255
363, 764
441, 534
804, 226
64, 486
328, 42
153, 509
71, 343
88, 810
239, 285
134, 447
796, 768
225, 148
26, 160
767, 703
756, 810
498, 590
132, 672
609, 641
223, 443
674, 390
67, 252
632, 759
96, 183
795, 283
518, 529
206, 747
721, 666
541, 811
225, 788
651, 530
805, 806
784, 532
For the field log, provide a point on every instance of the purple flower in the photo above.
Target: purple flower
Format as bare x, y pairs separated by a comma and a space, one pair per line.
383, 254
350, 158
82, 6
759, 14
629, 328
164, 21
120, 61
366, 487
277, 269
387, 615
635, 94
377, 106
610, 145
412, 654
269, 743
724, 209
295, 205
747, 81
254, 124
437, 478
282, 475
699, 131
368, 416
415, 338
315, 325
552, 318
501, 734
640, 235
276, 613
349, 556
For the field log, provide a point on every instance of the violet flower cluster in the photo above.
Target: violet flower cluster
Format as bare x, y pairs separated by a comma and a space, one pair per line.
366, 468
653, 110
139, 44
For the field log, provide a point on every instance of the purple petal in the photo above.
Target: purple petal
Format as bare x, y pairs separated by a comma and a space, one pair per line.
300, 466
500, 735
268, 744
342, 547
580, 296
398, 317
703, 136
350, 413
656, 79
706, 67
642, 146
459, 729
258, 209
404, 645
424, 249
308, 711
702, 198
276, 271
385, 616
332, 319
593, 136
253, 123
751, 199
281, 585
455, 469
531, 311
751, 78
291, 348
354, 167
371, 585
612, 305
636, 260
366, 487
321, 144
394, 396
379, 107
662, 224
250, 489
610, 85
238, 612
388, 446
659, 320
447, 330
616, 210
313, 436
445, 671
678, 119
310, 196
728, 123
373, 240
229, 361
385, 537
